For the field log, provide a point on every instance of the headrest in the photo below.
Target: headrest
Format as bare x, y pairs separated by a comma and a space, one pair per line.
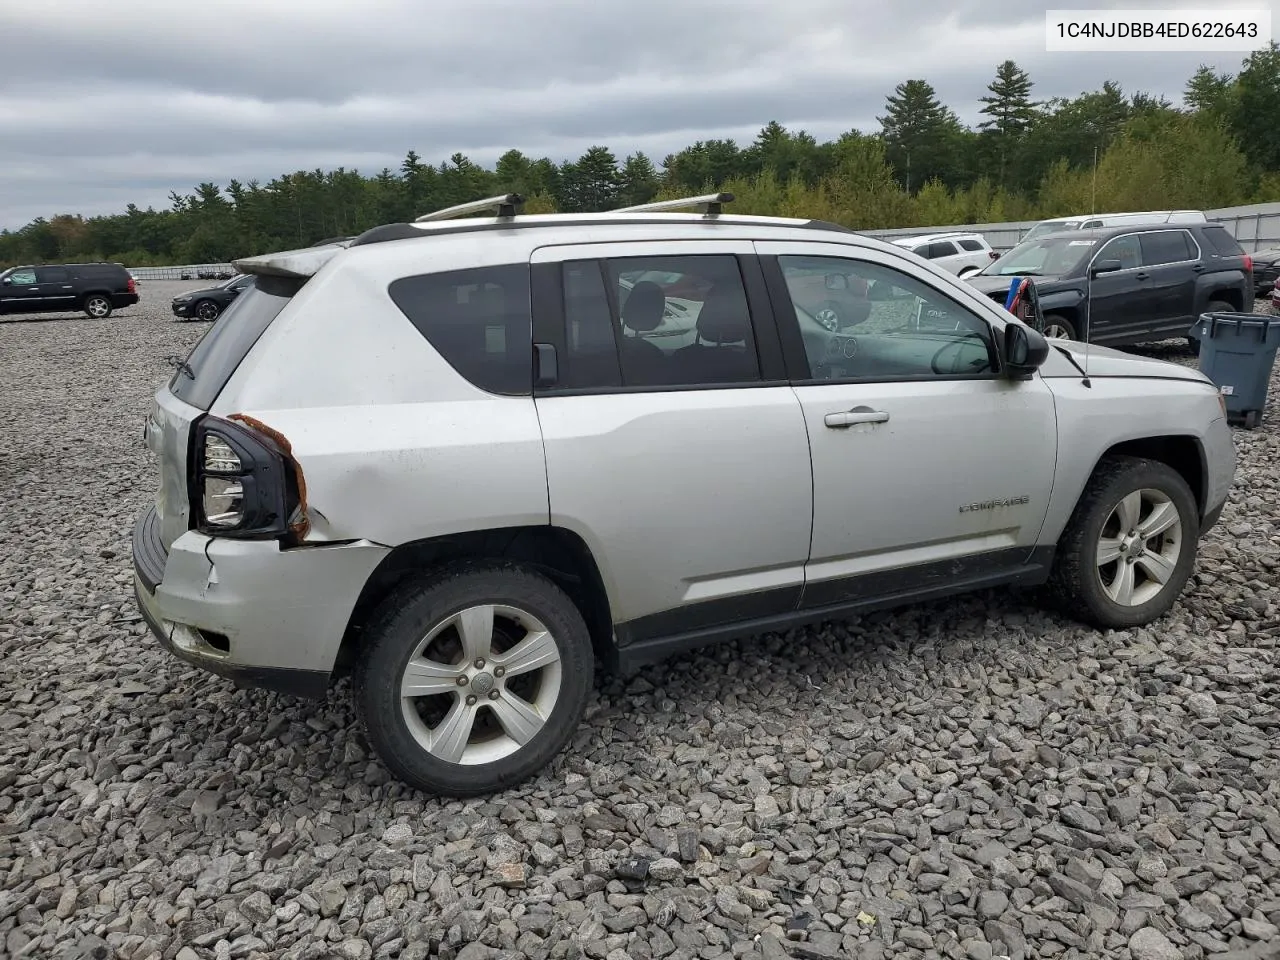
644, 307
723, 317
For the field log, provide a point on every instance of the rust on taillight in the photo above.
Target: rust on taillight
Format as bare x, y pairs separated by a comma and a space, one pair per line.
303, 526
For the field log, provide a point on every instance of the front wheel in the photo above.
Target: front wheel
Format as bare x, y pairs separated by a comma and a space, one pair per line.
97, 306
1058, 327
474, 680
207, 310
1129, 547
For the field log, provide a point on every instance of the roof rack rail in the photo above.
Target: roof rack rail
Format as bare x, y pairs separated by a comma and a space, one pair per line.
711, 204
504, 205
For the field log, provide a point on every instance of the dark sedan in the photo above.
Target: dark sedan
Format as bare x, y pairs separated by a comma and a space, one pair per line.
209, 302
1266, 270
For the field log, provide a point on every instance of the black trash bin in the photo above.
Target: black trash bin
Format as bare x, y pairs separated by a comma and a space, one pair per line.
1238, 352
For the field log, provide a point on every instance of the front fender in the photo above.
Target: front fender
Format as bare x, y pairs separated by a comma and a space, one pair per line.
1116, 410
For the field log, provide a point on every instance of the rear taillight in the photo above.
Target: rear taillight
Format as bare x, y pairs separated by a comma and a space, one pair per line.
1248, 264
133, 285
993, 255
244, 484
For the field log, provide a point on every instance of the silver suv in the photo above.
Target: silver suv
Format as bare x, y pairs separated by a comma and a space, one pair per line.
466, 460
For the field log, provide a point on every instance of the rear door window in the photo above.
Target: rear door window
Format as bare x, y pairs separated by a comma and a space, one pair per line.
478, 320
54, 275
1165, 246
228, 341
941, 248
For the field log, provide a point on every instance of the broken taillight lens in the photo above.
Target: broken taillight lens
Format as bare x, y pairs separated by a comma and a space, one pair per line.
243, 485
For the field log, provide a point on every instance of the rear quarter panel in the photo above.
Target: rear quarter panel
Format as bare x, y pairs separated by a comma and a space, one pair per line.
1211, 284
394, 444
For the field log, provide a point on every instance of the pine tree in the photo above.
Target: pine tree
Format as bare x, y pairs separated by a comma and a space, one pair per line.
916, 128
592, 183
1009, 106
1207, 91
639, 180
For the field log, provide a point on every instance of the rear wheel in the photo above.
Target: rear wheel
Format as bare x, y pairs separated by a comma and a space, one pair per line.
1058, 327
1129, 547
97, 306
474, 680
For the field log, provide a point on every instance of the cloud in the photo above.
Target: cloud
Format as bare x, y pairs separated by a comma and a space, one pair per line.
105, 104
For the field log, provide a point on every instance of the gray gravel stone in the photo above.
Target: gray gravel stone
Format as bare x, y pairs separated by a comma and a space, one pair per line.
1150, 944
968, 775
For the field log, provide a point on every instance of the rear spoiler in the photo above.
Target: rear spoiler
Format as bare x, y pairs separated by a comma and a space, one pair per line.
296, 264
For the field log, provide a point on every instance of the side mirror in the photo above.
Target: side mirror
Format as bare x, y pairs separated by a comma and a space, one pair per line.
1024, 351
6, 281
1106, 266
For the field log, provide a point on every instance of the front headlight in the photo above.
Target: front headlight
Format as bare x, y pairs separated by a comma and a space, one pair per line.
181, 299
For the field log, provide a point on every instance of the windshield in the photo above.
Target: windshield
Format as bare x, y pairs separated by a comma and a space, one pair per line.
1053, 257
1049, 226
228, 341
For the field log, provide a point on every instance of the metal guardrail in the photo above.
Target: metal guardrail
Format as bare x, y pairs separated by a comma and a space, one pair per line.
193, 271
1255, 227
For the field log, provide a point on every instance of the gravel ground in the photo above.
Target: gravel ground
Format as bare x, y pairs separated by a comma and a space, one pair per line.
972, 778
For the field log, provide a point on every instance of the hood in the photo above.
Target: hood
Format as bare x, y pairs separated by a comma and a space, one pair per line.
989, 283
1106, 362
196, 293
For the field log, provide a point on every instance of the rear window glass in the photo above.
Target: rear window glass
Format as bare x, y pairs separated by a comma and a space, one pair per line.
478, 320
1223, 243
971, 244
228, 341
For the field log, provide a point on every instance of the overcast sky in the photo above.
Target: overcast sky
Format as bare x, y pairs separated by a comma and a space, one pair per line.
106, 103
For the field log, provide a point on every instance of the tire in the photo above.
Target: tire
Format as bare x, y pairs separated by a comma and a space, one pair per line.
1079, 583
207, 310
97, 306
418, 619
830, 315
1052, 320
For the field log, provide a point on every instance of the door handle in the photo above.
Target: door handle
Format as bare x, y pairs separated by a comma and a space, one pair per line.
857, 415
1141, 276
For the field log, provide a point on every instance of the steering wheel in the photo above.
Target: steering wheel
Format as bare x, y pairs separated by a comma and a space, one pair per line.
977, 365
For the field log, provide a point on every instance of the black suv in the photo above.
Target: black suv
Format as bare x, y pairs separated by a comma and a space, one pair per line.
208, 302
1123, 285
95, 288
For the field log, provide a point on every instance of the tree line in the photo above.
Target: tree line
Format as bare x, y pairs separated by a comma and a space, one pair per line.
1026, 159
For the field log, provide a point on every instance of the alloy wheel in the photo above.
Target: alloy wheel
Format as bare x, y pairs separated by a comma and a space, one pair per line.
1139, 547
481, 684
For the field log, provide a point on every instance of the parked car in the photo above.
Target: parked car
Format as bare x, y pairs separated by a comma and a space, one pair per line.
1275, 300
1097, 221
497, 479
95, 288
207, 303
1266, 270
958, 253
1144, 284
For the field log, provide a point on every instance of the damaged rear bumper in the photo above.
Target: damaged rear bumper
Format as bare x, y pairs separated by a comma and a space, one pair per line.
247, 610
